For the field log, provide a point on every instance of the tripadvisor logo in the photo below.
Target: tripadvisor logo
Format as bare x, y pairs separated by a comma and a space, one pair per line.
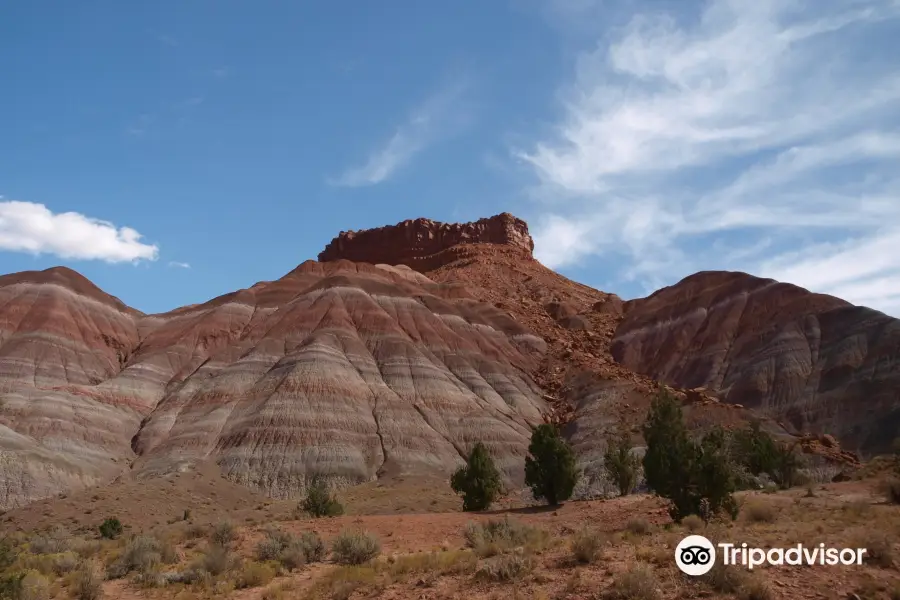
696, 555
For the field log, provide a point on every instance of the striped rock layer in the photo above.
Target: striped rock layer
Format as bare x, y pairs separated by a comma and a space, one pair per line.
814, 362
345, 369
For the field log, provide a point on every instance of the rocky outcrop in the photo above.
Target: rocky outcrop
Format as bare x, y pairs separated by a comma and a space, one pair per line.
416, 242
814, 362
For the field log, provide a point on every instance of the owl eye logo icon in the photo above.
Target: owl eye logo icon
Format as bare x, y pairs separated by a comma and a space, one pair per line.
695, 555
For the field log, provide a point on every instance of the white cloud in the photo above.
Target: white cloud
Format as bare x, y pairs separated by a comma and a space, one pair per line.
730, 140
33, 228
179, 265
426, 125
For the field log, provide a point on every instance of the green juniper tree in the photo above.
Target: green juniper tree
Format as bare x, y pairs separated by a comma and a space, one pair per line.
550, 465
478, 480
621, 463
696, 477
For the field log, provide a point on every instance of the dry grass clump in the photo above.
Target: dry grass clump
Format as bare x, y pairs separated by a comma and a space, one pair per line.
755, 588
506, 567
223, 534
254, 574
312, 546
879, 548
33, 586
758, 511
587, 546
693, 523
289, 550
279, 591
143, 554
88, 583
195, 531
215, 560
727, 579
355, 547
497, 536
340, 583
435, 563
638, 526
637, 583
54, 541
857, 508
86, 548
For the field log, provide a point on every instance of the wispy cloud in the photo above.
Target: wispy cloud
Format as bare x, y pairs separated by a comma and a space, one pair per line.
33, 228
139, 126
733, 141
167, 40
429, 123
221, 72
179, 265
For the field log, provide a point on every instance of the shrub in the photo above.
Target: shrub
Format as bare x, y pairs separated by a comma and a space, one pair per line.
291, 551
9, 552
637, 583
86, 548
754, 449
696, 478
727, 579
65, 563
312, 545
478, 480
292, 556
319, 502
111, 528
693, 523
143, 554
550, 465
587, 546
501, 535
508, 567
787, 465
223, 534
355, 547
34, 586
254, 574
88, 583
215, 560
54, 541
11, 585
621, 463
638, 526
757, 511
269, 548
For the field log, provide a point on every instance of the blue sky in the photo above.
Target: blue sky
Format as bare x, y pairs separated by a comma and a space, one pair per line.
177, 150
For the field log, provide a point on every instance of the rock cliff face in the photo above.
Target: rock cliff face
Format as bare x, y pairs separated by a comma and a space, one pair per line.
416, 242
814, 362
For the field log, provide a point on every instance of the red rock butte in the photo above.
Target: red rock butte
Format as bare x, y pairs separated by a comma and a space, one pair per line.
416, 242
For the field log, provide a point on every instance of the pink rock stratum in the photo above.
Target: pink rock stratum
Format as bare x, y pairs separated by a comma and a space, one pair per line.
344, 368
